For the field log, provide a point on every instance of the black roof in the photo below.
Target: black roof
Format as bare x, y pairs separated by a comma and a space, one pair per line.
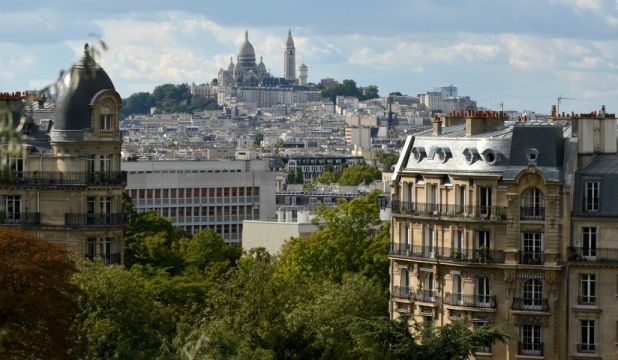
76, 92
546, 139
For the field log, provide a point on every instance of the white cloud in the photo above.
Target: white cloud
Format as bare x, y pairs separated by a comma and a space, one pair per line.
582, 5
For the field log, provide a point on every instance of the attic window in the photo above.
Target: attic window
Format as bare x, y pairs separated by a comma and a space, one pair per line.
532, 155
471, 155
444, 153
491, 156
419, 153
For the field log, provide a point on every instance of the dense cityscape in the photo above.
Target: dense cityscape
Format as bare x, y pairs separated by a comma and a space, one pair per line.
270, 213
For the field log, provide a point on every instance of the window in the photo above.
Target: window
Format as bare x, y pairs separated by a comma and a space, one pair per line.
591, 195
432, 197
105, 122
482, 289
531, 340
458, 241
105, 205
90, 204
482, 244
460, 198
17, 164
91, 247
90, 161
533, 204
429, 241
12, 205
484, 200
587, 289
404, 280
457, 289
106, 162
403, 234
532, 293
428, 326
589, 242
586, 336
532, 249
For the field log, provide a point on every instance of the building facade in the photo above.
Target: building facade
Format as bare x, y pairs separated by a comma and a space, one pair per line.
64, 183
196, 195
494, 222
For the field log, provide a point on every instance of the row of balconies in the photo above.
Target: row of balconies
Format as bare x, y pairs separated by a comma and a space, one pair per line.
487, 256
70, 219
54, 178
469, 212
470, 301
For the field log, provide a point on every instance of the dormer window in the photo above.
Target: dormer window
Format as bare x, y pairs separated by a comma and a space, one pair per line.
105, 122
532, 155
591, 195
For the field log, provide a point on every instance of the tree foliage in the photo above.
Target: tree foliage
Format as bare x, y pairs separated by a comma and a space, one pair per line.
167, 98
37, 300
387, 159
348, 88
358, 174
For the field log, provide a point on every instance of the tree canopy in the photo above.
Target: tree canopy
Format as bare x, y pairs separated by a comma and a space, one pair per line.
348, 88
358, 174
168, 98
37, 299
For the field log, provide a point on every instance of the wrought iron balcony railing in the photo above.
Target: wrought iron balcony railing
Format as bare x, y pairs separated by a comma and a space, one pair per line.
479, 256
531, 257
586, 348
473, 301
532, 212
21, 218
53, 178
107, 259
593, 254
413, 251
402, 292
430, 296
530, 304
530, 348
495, 213
98, 219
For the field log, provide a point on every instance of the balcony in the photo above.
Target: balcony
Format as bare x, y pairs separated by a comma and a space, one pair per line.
494, 213
592, 254
412, 251
530, 348
98, 219
22, 218
586, 348
531, 258
107, 259
586, 300
477, 256
471, 301
429, 296
532, 213
54, 178
402, 292
528, 304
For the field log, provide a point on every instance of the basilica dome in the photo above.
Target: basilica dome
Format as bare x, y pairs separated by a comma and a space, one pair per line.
246, 49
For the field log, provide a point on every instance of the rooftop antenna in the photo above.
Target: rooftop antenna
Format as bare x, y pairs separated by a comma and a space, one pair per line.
560, 98
501, 103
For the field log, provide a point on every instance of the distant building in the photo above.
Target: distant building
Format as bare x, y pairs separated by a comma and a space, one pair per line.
196, 195
445, 99
313, 166
203, 90
303, 71
289, 59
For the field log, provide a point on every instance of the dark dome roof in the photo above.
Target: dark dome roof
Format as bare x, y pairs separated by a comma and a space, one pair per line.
76, 91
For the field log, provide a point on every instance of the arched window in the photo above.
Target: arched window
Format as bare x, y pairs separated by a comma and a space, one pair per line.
533, 204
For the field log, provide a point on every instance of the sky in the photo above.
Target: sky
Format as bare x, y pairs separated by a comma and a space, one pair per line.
523, 53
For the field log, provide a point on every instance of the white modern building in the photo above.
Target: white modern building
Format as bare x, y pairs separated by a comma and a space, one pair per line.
195, 195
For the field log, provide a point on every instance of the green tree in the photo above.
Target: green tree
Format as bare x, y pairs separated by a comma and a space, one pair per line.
37, 300
257, 139
207, 248
370, 92
359, 174
350, 239
120, 316
387, 160
151, 239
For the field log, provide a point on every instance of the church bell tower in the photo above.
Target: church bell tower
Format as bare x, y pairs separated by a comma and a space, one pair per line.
289, 59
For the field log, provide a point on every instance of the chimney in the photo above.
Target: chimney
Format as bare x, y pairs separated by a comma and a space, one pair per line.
437, 126
478, 122
553, 112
